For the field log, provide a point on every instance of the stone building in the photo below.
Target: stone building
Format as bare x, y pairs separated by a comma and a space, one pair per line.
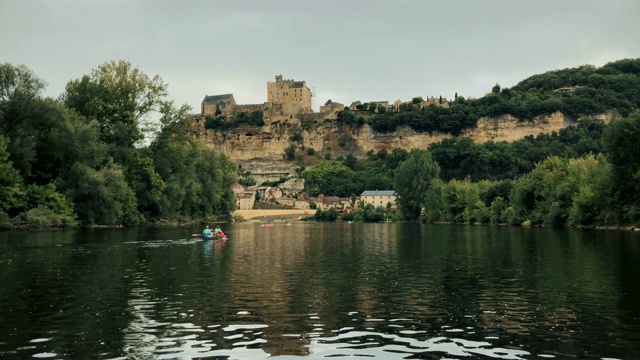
437, 101
379, 197
303, 201
245, 201
294, 96
224, 105
326, 202
330, 110
287, 101
245, 198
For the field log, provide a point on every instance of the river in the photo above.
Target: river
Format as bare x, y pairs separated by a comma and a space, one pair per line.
321, 290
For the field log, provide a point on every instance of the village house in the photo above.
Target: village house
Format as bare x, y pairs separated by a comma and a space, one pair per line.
379, 197
303, 202
439, 101
245, 198
346, 203
326, 202
245, 201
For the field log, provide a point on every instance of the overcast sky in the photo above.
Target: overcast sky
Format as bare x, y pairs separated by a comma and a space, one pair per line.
346, 50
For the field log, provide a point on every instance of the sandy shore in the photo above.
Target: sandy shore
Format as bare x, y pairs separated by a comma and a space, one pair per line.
273, 214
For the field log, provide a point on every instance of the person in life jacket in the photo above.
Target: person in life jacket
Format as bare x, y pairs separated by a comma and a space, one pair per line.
207, 232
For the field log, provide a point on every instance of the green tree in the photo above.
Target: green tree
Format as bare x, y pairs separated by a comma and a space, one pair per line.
350, 161
47, 207
331, 178
20, 90
247, 181
290, 152
198, 180
11, 192
120, 97
412, 181
591, 202
102, 196
623, 147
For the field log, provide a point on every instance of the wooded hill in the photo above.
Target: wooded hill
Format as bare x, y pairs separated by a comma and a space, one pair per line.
576, 92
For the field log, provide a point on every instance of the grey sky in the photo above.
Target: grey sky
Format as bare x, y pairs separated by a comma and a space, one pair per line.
346, 50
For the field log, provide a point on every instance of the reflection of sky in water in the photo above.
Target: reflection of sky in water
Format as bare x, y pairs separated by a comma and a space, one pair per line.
147, 338
290, 299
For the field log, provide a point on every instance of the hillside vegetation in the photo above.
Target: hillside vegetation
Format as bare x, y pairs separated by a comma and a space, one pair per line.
583, 175
587, 91
81, 159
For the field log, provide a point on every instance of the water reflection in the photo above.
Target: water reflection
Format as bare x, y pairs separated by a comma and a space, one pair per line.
388, 291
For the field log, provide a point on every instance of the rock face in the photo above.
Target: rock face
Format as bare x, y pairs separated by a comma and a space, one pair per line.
270, 142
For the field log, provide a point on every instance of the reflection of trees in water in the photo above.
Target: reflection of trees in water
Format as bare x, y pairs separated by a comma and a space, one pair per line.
314, 289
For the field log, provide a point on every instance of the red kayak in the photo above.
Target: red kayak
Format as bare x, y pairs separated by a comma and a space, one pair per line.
214, 237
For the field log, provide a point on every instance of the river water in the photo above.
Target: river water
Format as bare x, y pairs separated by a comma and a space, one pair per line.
321, 290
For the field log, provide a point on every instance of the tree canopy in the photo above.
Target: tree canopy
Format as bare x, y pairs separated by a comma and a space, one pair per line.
80, 159
576, 92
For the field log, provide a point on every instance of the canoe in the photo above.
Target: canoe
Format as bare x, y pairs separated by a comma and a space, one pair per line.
214, 237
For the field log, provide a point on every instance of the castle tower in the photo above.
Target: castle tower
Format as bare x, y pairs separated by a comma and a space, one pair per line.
294, 96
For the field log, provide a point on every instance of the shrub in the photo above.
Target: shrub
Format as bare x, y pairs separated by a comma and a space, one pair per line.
42, 216
290, 152
247, 181
4, 218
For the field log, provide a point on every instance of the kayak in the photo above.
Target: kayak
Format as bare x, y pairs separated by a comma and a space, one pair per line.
214, 237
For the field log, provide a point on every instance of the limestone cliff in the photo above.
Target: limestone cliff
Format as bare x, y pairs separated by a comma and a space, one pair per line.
270, 142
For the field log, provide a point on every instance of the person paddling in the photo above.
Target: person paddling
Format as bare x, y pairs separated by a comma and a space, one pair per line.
207, 233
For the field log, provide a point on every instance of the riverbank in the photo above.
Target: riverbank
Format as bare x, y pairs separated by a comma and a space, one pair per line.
272, 214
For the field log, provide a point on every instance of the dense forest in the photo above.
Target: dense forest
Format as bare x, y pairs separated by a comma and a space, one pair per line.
82, 159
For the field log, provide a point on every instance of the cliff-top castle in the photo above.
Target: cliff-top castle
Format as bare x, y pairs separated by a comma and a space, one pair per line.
288, 110
287, 101
290, 101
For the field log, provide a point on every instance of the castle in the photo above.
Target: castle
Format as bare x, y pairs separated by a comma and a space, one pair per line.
288, 121
288, 101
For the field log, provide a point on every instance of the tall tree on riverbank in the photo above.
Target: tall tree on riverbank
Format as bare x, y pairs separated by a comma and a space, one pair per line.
196, 181
35, 143
413, 179
10, 183
20, 89
121, 98
623, 147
